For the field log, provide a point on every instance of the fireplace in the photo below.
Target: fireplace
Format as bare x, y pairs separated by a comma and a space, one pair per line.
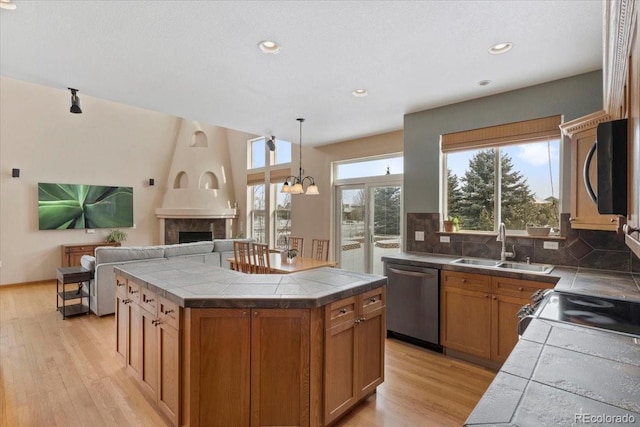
183, 230
194, 236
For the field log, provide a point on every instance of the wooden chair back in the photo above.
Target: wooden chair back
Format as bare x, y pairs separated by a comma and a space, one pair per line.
261, 264
242, 255
297, 243
320, 249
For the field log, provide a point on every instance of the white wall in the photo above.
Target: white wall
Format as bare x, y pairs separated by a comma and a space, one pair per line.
109, 144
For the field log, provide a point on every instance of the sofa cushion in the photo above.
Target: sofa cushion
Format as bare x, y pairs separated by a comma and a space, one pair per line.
128, 253
88, 262
226, 245
193, 248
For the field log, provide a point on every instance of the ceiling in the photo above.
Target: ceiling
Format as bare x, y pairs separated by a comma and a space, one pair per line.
200, 60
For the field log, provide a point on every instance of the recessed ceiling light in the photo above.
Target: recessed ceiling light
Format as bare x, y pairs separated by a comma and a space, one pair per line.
500, 48
7, 4
484, 82
269, 46
360, 92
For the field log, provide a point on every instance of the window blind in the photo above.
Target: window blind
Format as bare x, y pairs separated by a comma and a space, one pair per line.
510, 133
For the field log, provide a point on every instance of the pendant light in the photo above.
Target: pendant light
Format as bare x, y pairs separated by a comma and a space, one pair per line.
297, 183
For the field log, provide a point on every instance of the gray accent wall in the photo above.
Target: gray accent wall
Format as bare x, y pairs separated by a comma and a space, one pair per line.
571, 97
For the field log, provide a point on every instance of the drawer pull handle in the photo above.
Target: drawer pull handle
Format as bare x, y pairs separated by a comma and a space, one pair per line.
463, 280
133, 291
373, 299
521, 289
168, 311
119, 284
343, 310
150, 300
357, 321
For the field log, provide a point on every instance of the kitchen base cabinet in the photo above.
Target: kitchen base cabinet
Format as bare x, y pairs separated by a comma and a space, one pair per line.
354, 351
479, 313
148, 338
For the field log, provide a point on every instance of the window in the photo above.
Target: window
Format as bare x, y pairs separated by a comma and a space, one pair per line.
257, 213
512, 181
362, 168
269, 211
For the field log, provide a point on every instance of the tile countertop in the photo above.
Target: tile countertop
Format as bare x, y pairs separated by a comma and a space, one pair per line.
558, 373
569, 279
192, 284
563, 374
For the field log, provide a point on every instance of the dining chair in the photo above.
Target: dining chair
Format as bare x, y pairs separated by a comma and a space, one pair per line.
320, 249
242, 255
261, 264
297, 243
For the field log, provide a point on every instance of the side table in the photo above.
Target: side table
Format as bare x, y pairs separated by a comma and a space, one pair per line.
71, 287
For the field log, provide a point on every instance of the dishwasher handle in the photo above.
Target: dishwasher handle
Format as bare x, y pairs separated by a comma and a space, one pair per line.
412, 273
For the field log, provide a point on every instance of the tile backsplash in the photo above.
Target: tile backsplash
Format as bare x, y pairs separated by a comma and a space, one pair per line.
603, 250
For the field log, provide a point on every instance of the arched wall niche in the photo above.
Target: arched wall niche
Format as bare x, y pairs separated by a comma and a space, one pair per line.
181, 180
199, 139
208, 181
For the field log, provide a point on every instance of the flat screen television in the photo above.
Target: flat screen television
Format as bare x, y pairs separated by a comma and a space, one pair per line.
68, 206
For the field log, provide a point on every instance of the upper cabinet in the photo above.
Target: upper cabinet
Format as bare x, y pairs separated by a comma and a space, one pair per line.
622, 96
584, 212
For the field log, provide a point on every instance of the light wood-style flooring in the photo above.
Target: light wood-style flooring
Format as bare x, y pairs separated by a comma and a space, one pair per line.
56, 372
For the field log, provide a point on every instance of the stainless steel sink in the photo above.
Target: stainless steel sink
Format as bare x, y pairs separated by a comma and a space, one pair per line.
539, 268
473, 261
505, 265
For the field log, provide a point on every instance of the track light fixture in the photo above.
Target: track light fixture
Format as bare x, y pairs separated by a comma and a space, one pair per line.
75, 102
297, 182
271, 143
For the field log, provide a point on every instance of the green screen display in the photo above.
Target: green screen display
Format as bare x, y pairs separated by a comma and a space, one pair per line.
64, 206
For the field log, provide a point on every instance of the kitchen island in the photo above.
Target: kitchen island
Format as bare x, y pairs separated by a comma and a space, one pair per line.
216, 347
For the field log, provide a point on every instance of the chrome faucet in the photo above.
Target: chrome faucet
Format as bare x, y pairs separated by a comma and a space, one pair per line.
502, 237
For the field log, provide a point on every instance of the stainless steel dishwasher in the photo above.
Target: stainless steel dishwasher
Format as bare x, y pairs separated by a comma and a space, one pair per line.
413, 304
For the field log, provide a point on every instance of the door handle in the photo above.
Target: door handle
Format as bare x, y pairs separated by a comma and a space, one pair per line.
585, 173
411, 273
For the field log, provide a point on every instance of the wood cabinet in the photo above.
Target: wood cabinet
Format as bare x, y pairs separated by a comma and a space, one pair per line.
478, 312
148, 339
584, 212
354, 351
72, 253
249, 367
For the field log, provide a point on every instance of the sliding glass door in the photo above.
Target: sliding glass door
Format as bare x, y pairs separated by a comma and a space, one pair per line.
370, 225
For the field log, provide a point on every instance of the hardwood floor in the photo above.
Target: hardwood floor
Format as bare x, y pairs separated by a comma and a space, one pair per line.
56, 372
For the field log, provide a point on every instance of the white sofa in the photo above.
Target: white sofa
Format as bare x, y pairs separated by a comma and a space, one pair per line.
103, 290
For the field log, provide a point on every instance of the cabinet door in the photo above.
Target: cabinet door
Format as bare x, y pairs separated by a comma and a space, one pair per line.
466, 321
122, 318
219, 361
149, 338
504, 324
370, 336
584, 213
134, 339
168, 373
280, 367
340, 384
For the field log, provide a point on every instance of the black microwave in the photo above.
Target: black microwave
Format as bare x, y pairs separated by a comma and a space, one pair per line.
611, 148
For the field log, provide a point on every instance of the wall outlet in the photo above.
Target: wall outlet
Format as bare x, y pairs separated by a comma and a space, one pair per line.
419, 236
445, 239
550, 245
90, 231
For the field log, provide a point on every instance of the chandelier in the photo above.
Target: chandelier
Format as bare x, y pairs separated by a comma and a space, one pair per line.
297, 182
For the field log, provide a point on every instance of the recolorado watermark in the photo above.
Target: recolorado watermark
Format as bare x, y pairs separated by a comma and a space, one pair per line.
584, 418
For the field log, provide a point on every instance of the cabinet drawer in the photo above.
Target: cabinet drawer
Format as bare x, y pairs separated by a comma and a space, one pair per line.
168, 312
121, 287
340, 311
133, 292
470, 281
148, 300
372, 300
516, 287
